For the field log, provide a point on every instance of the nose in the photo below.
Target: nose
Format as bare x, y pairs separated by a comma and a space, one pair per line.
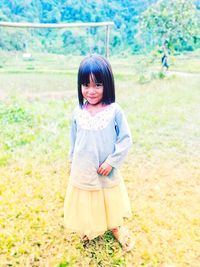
92, 90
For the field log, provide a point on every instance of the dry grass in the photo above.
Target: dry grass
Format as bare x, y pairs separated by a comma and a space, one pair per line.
162, 176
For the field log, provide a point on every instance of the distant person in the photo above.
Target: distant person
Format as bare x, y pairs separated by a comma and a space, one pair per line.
165, 58
96, 198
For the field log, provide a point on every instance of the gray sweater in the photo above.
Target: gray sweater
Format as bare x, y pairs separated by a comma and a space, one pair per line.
104, 136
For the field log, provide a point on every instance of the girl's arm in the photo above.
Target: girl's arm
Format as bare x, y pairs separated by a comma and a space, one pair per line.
123, 142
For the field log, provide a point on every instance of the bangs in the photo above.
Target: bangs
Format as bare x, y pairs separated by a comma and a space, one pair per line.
88, 71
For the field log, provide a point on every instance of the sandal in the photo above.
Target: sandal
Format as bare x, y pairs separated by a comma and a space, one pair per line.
123, 236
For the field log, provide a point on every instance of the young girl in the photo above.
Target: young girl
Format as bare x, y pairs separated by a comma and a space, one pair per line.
96, 198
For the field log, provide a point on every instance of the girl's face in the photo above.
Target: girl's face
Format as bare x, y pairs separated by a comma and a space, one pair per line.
92, 91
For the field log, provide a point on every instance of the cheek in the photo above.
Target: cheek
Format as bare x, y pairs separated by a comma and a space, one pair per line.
83, 91
101, 93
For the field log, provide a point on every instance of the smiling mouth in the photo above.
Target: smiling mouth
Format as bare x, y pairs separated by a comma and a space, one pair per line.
93, 101
92, 98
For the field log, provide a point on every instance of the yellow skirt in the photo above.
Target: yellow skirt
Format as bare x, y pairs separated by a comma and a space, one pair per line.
92, 213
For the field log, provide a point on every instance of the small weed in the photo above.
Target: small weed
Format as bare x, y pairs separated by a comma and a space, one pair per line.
161, 75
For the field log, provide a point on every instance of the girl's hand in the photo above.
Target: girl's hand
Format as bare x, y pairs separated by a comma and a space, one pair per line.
104, 169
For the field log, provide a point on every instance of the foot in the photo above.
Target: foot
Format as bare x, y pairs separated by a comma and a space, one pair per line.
124, 238
84, 238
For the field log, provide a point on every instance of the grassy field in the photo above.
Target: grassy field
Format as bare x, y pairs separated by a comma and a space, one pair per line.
161, 172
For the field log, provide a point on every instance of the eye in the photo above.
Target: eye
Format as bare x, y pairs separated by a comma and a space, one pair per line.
85, 84
99, 84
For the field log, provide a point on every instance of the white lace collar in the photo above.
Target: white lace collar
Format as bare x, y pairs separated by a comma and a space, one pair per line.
97, 121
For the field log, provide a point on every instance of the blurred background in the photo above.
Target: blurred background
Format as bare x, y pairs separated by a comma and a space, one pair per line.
154, 50
139, 25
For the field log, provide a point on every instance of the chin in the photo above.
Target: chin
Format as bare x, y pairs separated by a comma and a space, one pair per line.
93, 102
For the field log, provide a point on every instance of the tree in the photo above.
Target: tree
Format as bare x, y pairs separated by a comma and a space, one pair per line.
176, 22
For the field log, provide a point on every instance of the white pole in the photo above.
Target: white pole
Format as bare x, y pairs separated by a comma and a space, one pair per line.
54, 25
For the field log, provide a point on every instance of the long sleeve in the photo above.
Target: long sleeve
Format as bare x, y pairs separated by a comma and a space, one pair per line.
72, 138
123, 142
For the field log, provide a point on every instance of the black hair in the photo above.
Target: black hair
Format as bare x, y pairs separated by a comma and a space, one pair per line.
100, 69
